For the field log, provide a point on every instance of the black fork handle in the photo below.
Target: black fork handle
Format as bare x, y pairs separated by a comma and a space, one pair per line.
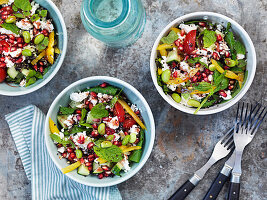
183, 191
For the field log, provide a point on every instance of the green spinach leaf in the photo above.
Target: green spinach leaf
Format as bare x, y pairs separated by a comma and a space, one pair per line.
66, 110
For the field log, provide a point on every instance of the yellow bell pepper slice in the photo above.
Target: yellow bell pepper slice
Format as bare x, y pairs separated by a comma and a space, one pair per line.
165, 46
177, 81
218, 67
57, 51
231, 75
53, 126
39, 57
71, 167
101, 160
159, 71
122, 147
51, 42
163, 52
131, 149
3, 2
132, 113
240, 79
176, 30
50, 55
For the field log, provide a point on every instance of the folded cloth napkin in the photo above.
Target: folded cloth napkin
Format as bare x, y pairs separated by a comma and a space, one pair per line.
47, 181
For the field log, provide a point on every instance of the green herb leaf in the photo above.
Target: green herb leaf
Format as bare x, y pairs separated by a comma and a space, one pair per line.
19, 15
43, 13
172, 36
66, 111
106, 90
197, 60
202, 86
31, 81
241, 63
25, 5
83, 112
209, 38
14, 8
26, 13
114, 100
239, 48
38, 75
99, 111
228, 27
112, 154
77, 129
229, 38
35, 17
11, 27
64, 142
31, 73
204, 101
86, 125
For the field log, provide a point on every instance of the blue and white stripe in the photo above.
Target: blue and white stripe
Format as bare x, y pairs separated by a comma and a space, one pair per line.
47, 181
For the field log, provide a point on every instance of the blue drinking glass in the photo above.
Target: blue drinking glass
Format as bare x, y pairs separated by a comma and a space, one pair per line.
117, 23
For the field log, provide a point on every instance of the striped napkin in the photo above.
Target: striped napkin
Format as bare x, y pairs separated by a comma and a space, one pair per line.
47, 181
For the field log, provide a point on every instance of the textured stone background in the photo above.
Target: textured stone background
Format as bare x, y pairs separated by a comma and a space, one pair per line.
183, 142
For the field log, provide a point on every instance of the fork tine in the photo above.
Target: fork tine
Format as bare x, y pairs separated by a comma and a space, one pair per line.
236, 117
231, 146
257, 111
226, 135
241, 117
256, 125
252, 115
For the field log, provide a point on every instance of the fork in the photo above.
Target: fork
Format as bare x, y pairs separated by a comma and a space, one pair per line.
223, 147
244, 132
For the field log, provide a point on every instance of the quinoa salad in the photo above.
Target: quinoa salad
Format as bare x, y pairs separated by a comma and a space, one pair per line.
101, 132
28, 45
201, 64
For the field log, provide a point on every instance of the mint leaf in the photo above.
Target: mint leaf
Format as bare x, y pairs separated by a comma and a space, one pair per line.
170, 38
24, 5
202, 86
19, 15
35, 17
209, 38
239, 48
99, 111
31, 81
112, 154
84, 112
77, 129
241, 63
64, 142
43, 13
66, 111
11, 27
229, 38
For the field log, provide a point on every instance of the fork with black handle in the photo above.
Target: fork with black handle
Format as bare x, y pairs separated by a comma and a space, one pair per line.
243, 134
221, 149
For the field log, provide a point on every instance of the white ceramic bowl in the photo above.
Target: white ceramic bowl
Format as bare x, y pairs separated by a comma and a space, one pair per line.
239, 32
54, 13
134, 96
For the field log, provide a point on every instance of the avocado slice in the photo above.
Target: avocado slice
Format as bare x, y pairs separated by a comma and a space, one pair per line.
61, 119
173, 56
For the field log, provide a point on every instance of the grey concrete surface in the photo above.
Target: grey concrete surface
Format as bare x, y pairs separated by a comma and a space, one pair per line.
183, 142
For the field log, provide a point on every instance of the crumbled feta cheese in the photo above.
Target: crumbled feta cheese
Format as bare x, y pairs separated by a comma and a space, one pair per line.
188, 27
172, 87
29, 47
5, 31
164, 64
87, 140
117, 137
197, 97
219, 27
61, 149
219, 33
13, 54
184, 66
204, 60
134, 108
78, 97
35, 6
201, 52
10, 2
24, 24
47, 25
229, 96
210, 77
125, 164
69, 121
22, 83
8, 62
240, 56
134, 129
113, 123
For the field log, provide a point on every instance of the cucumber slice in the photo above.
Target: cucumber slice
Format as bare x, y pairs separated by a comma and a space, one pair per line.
74, 104
117, 168
12, 72
95, 166
173, 56
98, 170
25, 72
61, 119
83, 170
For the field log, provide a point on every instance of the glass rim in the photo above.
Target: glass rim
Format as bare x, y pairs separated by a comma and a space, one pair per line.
126, 6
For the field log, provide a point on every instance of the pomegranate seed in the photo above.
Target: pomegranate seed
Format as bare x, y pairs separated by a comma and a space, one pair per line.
227, 54
138, 111
5, 49
69, 150
204, 75
226, 67
182, 32
95, 126
11, 41
78, 111
198, 65
19, 61
82, 160
2, 37
72, 155
194, 79
207, 71
100, 176
105, 168
91, 156
64, 155
87, 102
94, 133
186, 58
93, 94
2, 59
105, 119
194, 56
78, 117
13, 49
175, 74
91, 159
81, 139
177, 42
206, 79
41, 63
88, 164
4, 17
126, 133
108, 172
232, 82
70, 159
105, 174
90, 145
41, 69
20, 45
96, 156
117, 143
90, 106
12, 37
45, 32
198, 73
230, 87
19, 40
222, 93
174, 64
90, 168
35, 67
203, 24
181, 48
219, 37
103, 85
215, 55
2, 64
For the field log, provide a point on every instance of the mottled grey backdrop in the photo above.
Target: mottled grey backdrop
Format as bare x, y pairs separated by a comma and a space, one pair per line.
183, 142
